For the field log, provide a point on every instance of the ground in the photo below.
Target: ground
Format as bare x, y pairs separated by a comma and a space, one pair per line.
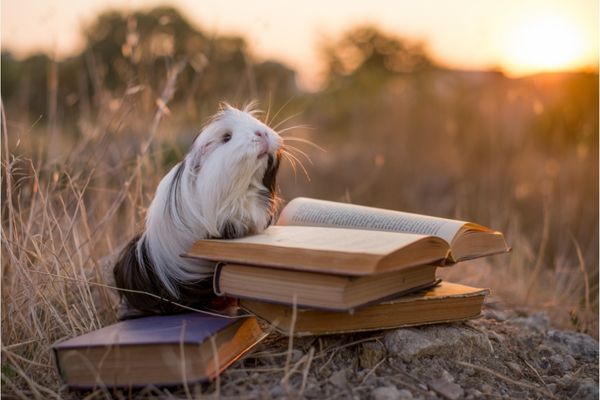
504, 354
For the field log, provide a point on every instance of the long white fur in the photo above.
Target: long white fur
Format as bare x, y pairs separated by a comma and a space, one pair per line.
220, 184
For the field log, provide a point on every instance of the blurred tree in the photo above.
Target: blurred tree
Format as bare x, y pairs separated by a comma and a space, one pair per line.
366, 57
125, 50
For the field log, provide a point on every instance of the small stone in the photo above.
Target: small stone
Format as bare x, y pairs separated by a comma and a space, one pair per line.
539, 322
447, 376
371, 354
277, 391
449, 390
514, 367
443, 340
544, 351
338, 378
404, 394
487, 389
385, 393
495, 314
561, 364
578, 345
551, 387
588, 389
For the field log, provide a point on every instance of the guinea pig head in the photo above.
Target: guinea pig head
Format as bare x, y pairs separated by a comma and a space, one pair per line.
238, 150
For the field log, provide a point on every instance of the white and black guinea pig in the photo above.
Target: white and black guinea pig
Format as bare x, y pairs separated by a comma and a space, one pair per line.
223, 188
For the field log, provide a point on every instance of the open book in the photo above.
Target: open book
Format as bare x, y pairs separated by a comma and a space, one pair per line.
344, 239
466, 240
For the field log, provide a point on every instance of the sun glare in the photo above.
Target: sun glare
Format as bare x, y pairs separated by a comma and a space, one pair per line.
544, 43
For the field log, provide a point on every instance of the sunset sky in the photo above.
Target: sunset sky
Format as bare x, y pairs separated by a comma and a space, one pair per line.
518, 36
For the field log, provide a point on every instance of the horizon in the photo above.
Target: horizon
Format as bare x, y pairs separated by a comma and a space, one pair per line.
516, 38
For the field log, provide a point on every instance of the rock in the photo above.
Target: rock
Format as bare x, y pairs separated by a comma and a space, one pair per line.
588, 389
514, 367
449, 390
495, 314
371, 354
544, 351
386, 393
539, 322
447, 376
560, 364
487, 389
338, 378
441, 340
578, 345
405, 394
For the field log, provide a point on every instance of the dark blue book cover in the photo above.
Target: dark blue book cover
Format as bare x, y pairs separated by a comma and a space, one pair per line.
160, 329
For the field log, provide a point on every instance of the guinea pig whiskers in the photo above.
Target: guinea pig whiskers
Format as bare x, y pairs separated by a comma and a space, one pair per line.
295, 161
285, 120
302, 140
299, 126
267, 121
302, 153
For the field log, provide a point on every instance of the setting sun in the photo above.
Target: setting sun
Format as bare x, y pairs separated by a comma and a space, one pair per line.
544, 42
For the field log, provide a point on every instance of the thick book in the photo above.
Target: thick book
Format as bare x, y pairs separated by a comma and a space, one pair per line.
446, 302
312, 289
345, 239
159, 350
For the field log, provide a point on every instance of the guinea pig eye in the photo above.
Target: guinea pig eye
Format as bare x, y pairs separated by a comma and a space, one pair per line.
226, 137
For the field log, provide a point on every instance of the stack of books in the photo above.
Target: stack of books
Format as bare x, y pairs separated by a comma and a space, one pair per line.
324, 268
329, 267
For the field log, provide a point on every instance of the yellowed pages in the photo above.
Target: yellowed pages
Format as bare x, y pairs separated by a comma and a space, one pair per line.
330, 239
303, 211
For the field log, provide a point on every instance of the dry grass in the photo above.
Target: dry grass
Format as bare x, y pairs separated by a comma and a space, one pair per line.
70, 200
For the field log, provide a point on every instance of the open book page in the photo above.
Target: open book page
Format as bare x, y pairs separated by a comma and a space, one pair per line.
312, 238
312, 212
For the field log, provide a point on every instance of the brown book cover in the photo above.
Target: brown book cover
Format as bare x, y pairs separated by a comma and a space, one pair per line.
446, 302
160, 350
317, 290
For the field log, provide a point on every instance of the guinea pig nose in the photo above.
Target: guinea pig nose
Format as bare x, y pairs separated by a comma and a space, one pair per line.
260, 134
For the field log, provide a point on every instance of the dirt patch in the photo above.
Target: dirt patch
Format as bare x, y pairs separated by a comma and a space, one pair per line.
504, 354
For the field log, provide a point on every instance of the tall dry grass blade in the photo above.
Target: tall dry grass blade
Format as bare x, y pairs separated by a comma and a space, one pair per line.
586, 283
290, 348
541, 252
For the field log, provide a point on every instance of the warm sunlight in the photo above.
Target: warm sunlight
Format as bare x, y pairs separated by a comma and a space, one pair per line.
544, 42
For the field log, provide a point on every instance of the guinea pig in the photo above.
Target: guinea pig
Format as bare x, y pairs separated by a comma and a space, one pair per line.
225, 187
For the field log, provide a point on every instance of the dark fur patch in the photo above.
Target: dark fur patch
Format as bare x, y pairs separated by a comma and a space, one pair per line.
270, 178
131, 274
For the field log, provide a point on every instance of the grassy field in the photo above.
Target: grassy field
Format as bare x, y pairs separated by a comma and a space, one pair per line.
519, 155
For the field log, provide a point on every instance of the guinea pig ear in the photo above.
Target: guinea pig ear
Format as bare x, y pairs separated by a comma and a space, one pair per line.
198, 154
224, 106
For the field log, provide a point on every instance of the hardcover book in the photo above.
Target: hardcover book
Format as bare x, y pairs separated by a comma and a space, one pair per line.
158, 350
446, 302
344, 239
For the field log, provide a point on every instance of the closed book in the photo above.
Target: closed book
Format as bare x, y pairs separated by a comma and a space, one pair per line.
446, 302
319, 290
158, 350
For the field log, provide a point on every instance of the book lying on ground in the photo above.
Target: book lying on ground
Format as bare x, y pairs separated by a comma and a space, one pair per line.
158, 350
446, 302
311, 289
338, 238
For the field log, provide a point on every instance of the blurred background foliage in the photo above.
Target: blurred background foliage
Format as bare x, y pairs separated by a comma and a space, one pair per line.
400, 131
